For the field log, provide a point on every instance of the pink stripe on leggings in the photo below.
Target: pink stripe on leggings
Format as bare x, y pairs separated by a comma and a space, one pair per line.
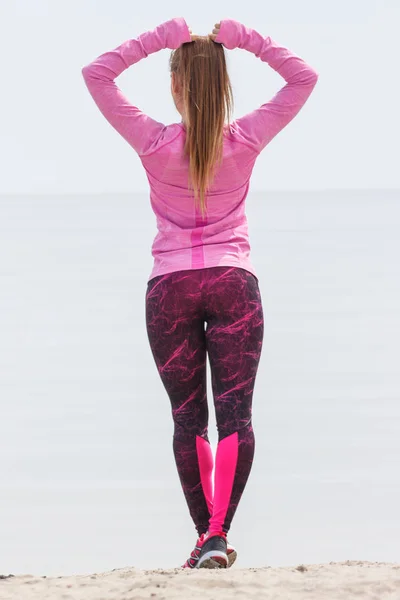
225, 469
206, 463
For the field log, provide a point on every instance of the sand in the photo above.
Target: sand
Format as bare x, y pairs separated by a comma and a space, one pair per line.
340, 581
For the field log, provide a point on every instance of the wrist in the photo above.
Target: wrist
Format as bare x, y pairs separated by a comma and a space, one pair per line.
170, 34
176, 32
233, 34
229, 34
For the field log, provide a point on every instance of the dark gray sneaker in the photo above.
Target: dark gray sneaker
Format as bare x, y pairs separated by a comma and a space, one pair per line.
213, 554
191, 562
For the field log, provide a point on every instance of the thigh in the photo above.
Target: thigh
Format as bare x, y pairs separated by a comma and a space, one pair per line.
234, 337
175, 329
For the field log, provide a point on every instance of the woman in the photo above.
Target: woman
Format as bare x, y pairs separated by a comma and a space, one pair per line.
202, 294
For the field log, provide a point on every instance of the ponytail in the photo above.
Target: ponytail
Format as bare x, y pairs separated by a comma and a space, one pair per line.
207, 100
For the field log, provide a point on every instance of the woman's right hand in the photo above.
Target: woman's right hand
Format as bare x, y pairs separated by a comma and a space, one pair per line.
215, 31
228, 32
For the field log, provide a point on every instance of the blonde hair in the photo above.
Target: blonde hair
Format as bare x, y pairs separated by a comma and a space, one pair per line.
207, 98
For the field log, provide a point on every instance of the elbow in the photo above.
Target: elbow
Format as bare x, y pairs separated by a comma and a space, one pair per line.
308, 77
311, 78
85, 72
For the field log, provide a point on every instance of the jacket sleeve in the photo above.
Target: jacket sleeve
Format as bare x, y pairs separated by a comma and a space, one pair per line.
137, 128
261, 125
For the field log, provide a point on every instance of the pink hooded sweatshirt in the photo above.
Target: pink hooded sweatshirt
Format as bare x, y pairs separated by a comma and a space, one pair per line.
185, 240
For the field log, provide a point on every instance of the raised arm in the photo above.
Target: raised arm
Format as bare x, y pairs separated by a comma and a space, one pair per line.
137, 128
261, 125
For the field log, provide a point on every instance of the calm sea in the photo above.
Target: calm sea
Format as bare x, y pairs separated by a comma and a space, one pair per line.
88, 480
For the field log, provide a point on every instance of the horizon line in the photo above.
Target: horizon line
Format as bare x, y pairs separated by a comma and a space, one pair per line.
275, 190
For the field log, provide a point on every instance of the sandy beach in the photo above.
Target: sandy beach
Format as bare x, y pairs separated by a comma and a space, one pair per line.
341, 580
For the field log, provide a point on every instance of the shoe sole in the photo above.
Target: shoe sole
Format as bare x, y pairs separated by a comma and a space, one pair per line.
232, 556
213, 560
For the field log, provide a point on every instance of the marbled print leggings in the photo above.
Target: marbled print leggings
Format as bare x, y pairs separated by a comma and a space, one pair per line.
215, 310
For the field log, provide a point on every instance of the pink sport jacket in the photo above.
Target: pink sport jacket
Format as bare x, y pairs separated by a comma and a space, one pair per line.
185, 240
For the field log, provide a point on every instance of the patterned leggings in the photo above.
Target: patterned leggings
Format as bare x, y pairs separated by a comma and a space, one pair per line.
178, 305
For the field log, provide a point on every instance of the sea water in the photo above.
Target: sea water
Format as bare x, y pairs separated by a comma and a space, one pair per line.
88, 480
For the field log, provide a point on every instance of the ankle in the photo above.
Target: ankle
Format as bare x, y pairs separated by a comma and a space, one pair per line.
218, 532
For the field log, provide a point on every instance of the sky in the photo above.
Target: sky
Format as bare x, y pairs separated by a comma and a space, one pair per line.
54, 140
